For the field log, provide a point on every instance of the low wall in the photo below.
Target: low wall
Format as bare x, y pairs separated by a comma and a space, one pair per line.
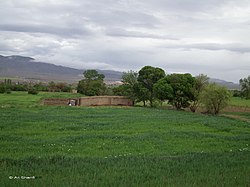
59, 101
90, 101
105, 101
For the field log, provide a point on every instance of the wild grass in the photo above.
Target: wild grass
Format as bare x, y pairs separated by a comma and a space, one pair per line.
119, 146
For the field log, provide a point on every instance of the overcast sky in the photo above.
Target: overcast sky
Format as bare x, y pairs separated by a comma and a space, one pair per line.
195, 36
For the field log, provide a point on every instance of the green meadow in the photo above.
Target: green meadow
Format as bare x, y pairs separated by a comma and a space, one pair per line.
118, 146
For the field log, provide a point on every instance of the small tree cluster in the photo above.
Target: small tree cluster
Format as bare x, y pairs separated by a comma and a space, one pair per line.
54, 87
180, 90
5, 87
92, 84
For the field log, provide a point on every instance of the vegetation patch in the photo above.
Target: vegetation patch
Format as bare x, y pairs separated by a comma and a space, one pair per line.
118, 146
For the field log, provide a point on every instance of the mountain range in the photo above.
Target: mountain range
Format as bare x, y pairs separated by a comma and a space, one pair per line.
28, 69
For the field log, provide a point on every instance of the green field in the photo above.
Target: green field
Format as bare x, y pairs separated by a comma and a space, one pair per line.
118, 146
237, 101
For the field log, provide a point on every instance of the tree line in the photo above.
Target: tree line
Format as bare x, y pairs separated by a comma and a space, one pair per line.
33, 88
151, 85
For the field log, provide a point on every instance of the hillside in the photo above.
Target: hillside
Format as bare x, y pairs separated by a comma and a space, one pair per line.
26, 68
229, 85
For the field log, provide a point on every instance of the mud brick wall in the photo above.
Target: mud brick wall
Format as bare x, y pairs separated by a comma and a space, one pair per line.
91, 101
105, 101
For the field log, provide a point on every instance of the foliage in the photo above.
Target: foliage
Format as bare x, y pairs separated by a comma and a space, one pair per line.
179, 89
148, 76
236, 93
163, 90
91, 87
41, 87
108, 91
215, 98
92, 84
245, 87
129, 80
2, 88
20, 87
141, 93
93, 75
8, 91
122, 90
32, 91
200, 82
6, 86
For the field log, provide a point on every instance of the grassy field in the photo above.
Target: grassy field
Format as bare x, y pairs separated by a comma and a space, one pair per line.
118, 146
23, 99
237, 101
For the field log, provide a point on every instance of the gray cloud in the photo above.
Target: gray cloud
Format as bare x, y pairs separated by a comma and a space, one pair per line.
56, 30
210, 37
119, 32
233, 47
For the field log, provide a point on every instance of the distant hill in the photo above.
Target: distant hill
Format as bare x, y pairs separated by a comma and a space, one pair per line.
26, 68
229, 85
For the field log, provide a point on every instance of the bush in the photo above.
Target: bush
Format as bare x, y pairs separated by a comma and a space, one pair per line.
215, 98
8, 91
2, 88
32, 91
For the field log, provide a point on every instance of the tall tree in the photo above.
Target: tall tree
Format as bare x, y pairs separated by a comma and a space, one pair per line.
148, 76
182, 85
245, 87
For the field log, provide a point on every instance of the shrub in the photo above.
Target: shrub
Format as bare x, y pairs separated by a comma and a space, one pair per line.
215, 98
32, 91
2, 88
8, 91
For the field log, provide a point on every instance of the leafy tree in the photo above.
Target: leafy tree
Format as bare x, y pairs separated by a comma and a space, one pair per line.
141, 93
124, 90
182, 85
245, 87
215, 98
129, 79
163, 90
148, 76
92, 74
200, 82
92, 84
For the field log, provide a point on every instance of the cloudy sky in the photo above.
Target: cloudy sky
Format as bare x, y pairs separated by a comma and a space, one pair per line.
195, 36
